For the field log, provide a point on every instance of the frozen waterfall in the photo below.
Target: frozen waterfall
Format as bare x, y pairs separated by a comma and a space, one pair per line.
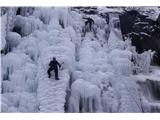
100, 71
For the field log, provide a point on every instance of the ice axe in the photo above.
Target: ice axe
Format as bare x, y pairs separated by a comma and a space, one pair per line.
61, 65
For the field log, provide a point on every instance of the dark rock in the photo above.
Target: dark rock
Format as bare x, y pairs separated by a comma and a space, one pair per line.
144, 32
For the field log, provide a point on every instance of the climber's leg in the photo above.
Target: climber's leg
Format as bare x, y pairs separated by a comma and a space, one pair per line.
56, 74
90, 26
49, 72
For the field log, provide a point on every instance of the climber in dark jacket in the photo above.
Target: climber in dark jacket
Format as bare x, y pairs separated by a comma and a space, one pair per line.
54, 66
89, 22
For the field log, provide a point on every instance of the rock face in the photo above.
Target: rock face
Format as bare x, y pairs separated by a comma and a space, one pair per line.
143, 32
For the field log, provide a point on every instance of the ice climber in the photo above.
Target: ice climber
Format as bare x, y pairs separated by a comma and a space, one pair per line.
53, 66
90, 22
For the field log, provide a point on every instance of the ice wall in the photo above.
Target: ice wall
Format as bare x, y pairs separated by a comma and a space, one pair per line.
97, 68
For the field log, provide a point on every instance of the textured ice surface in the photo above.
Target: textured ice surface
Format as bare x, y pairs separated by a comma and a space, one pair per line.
96, 65
85, 97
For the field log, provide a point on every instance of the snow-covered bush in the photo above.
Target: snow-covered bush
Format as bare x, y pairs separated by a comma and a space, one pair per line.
85, 97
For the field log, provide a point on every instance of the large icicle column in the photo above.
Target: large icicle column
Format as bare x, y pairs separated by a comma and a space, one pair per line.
85, 97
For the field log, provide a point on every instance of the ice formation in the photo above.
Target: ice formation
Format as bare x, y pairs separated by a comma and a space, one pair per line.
85, 97
13, 39
27, 25
3, 30
97, 65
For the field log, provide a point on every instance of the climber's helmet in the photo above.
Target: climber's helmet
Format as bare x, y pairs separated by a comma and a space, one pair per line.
54, 58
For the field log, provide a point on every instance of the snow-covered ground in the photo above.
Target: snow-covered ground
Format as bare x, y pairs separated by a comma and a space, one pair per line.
97, 65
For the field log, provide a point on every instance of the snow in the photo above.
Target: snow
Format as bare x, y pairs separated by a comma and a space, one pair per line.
49, 88
143, 23
143, 33
152, 12
51, 93
55, 42
97, 67
110, 10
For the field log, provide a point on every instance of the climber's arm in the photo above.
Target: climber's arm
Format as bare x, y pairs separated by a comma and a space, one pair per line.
58, 64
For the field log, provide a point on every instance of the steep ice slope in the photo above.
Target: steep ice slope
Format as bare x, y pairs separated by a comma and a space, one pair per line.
52, 93
108, 67
100, 79
21, 82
